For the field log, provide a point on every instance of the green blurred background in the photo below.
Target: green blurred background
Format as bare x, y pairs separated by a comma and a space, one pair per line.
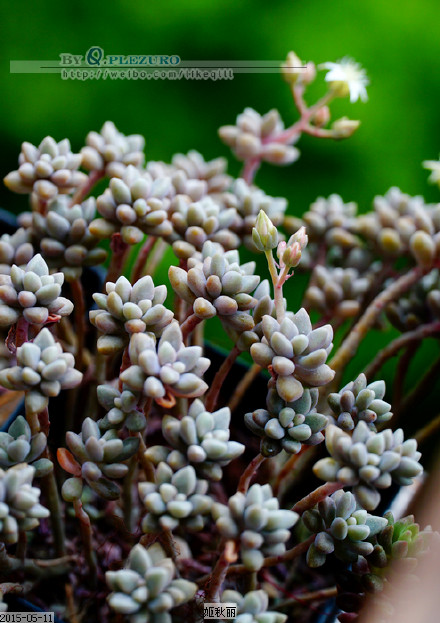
397, 41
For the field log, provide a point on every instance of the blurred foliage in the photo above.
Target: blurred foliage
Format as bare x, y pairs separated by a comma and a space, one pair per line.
396, 41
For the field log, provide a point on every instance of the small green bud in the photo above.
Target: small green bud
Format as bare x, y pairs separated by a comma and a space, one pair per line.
344, 127
264, 234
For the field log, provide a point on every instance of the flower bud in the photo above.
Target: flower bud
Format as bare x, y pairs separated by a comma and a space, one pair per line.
292, 68
292, 255
322, 117
264, 234
309, 73
300, 237
344, 127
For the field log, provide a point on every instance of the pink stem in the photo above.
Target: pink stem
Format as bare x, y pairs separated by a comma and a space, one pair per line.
220, 571
249, 472
403, 340
189, 325
249, 170
22, 331
350, 345
85, 189
212, 395
120, 250
138, 268
309, 501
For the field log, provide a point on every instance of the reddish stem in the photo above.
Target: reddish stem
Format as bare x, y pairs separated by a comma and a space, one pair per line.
85, 189
287, 468
44, 421
189, 325
212, 395
120, 250
271, 561
86, 535
298, 98
403, 340
350, 345
250, 169
249, 472
138, 268
126, 363
220, 571
309, 501
18, 335
156, 257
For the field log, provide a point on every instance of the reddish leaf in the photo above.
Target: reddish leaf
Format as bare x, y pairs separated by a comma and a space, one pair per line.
68, 463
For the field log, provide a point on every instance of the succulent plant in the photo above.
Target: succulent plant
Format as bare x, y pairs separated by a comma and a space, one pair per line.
147, 588
368, 461
97, 458
182, 180
287, 426
420, 306
248, 201
19, 502
46, 170
330, 220
166, 369
195, 189
16, 249
203, 438
359, 401
402, 225
112, 151
32, 293
42, 371
398, 545
338, 292
121, 409
257, 522
218, 285
213, 172
148, 461
18, 445
176, 498
264, 306
252, 607
64, 237
341, 528
128, 309
196, 222
296, 354
400, 538
134, 205
255, 136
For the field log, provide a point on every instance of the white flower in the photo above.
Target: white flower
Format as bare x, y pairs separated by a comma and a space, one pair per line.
347, 78
434, 166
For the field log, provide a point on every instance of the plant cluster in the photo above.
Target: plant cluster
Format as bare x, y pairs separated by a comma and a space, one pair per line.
148, 508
